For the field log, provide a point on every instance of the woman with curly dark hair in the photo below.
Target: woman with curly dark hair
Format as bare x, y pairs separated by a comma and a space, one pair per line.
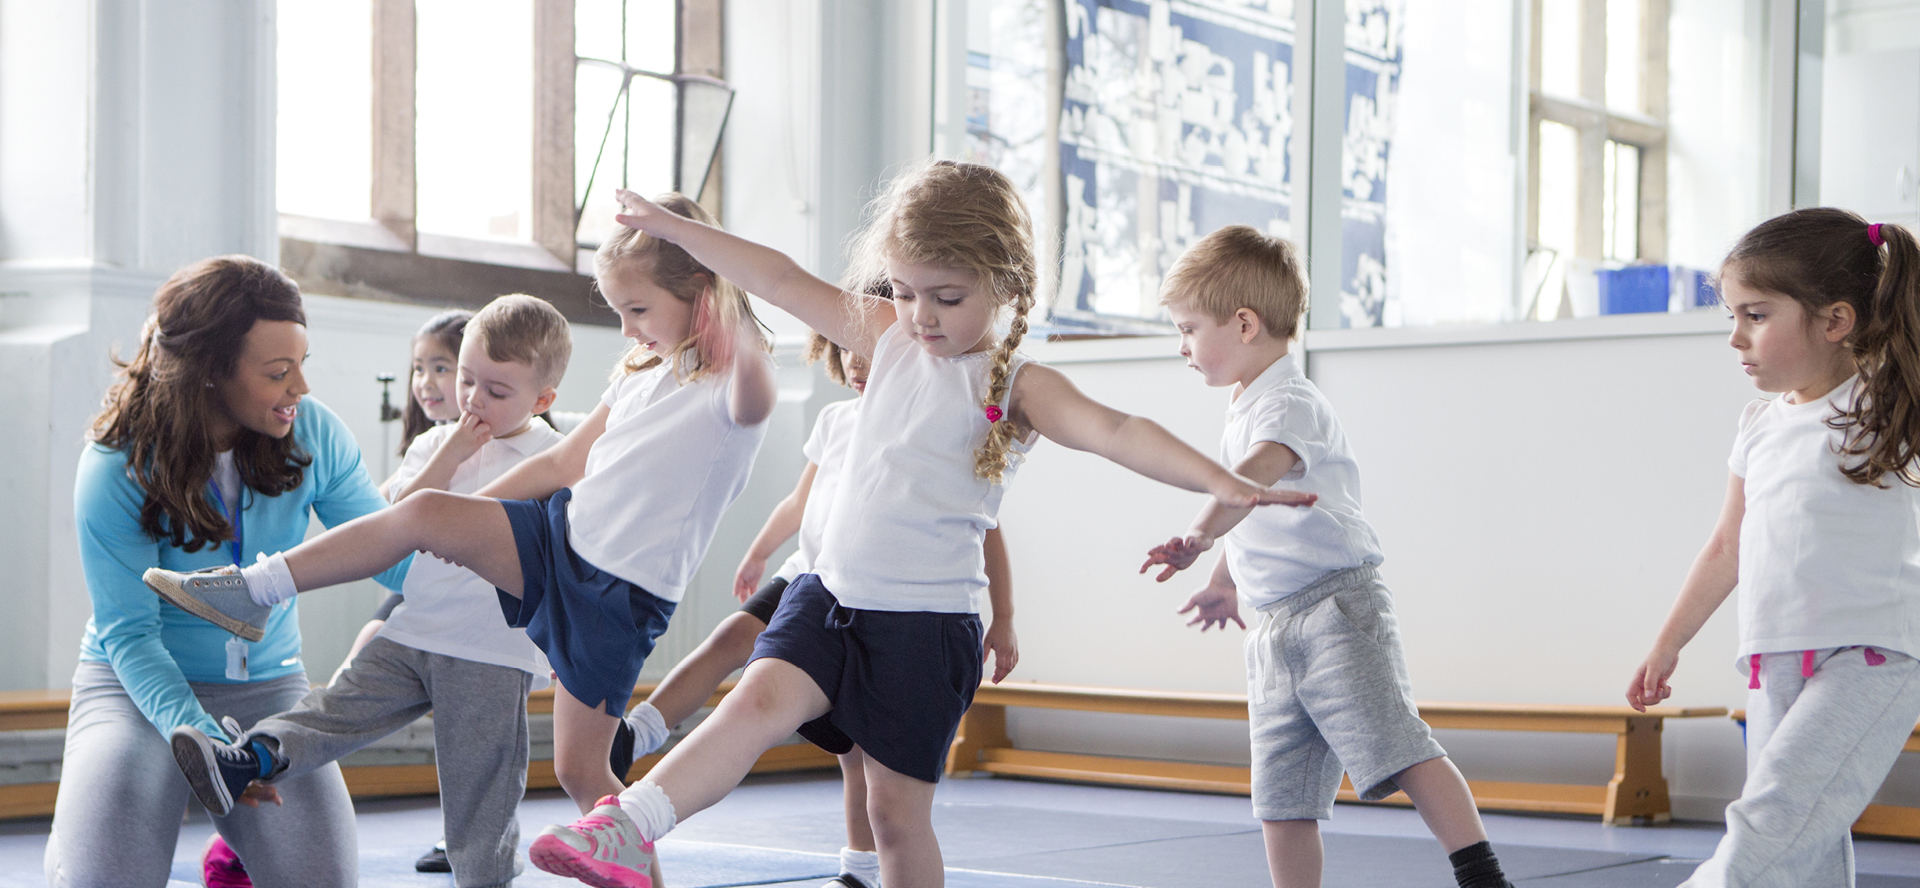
206, 453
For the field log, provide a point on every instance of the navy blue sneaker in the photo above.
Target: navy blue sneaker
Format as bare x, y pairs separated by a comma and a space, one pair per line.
218, 771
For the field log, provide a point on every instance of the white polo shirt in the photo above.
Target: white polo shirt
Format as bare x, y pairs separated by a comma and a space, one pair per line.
670, 462
1278, 550
448, 609
1824, 562
826, 448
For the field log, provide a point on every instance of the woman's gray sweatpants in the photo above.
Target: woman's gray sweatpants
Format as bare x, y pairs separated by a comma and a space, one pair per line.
479, 741
1818, 749
116, 820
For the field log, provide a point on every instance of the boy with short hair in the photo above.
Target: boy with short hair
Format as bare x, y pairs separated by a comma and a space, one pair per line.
1327, 680
446, 648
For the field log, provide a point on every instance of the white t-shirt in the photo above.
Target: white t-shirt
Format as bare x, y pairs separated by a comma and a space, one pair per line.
906, 528
1824, 562
670, 462
1279, 550
447, 609
827, 449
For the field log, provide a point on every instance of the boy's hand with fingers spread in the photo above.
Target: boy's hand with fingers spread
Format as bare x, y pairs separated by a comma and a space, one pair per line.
1213, 606
1177, 554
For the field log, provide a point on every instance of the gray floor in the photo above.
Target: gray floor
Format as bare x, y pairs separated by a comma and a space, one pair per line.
784, 830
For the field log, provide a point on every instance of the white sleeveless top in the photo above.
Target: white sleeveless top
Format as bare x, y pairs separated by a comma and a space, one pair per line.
909, 518
670, 462
826, 448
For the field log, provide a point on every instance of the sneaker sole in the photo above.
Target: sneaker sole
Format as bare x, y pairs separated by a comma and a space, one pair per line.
196, 761
174, 595
553, 855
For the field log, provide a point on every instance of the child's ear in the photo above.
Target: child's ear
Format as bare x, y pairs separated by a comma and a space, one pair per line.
1249, 325
545, 401
1840, 321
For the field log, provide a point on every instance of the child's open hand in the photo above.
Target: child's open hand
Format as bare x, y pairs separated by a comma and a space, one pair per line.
1177, 554
467, 438
1213, 605
1649, 685
1241, 493
747, 576
1003, 646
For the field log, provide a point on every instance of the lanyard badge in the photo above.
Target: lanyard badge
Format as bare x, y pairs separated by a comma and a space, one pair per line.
237, 647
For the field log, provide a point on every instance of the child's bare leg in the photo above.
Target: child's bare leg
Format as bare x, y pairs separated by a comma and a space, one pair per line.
1441, 796
1294, 855
582, 735
693, 680
772, 699
853, 780
901, 811
471, 531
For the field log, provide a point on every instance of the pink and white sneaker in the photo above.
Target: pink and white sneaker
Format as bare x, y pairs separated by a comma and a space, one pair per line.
603, 849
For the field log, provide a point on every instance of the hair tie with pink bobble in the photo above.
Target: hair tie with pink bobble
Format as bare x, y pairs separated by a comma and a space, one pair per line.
1873, 234
993, 413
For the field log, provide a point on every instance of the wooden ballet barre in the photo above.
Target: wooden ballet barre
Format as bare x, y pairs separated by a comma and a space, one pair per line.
1899, 821
47, 709
1637, 792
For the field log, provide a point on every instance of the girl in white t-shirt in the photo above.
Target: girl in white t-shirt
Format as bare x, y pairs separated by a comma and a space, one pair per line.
591, 542
1821, 533
883, 637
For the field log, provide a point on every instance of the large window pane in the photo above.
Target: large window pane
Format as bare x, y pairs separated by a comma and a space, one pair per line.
324, 139
1559, 30
1559, 218
1716, 129
474, 131
624, 122
1624, 68
1621, 214
1870, 110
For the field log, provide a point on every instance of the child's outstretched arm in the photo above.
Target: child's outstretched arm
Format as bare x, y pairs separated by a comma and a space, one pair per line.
768, 274
1266, 463
1045, 401
1001, 642
562, 465
1712, 577
782, 523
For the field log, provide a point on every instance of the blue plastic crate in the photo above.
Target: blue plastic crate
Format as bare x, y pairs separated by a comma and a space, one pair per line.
1634, 289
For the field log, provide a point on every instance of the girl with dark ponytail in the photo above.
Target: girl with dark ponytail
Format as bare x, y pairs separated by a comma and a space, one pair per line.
1821, 531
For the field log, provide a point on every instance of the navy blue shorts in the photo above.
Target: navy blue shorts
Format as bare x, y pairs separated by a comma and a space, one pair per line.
897, 681
597, 629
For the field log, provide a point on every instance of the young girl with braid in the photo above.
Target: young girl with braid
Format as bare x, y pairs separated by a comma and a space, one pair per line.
1818, 530
883, 637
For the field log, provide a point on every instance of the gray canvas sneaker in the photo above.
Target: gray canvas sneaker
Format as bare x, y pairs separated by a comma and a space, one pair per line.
215, 594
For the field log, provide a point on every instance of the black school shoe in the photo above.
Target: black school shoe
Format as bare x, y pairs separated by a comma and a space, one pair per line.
435, 860
844, 880
217, 771
620, 757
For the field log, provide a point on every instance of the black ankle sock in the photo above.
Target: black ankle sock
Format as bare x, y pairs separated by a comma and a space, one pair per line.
1475, 867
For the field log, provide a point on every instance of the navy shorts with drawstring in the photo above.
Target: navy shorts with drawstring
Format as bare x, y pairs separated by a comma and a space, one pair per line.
897, 681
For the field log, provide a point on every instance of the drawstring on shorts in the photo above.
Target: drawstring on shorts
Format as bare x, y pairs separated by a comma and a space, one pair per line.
1873, 658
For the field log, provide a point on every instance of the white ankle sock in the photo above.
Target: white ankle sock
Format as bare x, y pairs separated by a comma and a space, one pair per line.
649, 729
651, 810
268, 580
862, 865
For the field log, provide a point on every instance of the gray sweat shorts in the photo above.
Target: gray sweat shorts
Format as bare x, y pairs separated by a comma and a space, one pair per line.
1327, 690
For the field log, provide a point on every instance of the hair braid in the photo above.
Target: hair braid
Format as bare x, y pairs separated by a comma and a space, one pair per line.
990, 461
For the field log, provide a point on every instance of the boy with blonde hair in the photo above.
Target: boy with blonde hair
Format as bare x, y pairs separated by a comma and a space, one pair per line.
1326, 678
446, 648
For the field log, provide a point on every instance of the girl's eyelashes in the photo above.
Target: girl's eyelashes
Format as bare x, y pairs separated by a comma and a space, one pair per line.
949, 302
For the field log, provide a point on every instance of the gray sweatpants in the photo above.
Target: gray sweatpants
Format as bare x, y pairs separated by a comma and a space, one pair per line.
116, 820
1818, 748
479, 741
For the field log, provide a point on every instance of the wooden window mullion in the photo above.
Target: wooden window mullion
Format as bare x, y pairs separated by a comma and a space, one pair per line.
553, 128
394, 201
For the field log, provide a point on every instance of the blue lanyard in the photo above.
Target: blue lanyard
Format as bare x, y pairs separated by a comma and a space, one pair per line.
233, 518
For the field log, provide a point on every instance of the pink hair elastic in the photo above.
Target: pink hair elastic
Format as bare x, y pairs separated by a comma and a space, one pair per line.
993, 413
1873, 234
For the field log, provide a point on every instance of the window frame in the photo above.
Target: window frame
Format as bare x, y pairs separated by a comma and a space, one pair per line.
386, 258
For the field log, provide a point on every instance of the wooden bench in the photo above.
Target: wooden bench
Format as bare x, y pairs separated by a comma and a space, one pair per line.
1638, 790
38, 710
1879, 820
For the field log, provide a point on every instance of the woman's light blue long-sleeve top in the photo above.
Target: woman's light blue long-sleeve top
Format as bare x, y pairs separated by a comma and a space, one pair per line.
156, 648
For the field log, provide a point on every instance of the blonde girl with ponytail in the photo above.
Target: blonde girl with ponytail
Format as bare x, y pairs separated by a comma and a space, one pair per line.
1821, 532
880, 647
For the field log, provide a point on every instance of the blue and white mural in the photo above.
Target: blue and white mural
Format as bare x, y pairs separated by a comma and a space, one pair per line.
1177, 120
